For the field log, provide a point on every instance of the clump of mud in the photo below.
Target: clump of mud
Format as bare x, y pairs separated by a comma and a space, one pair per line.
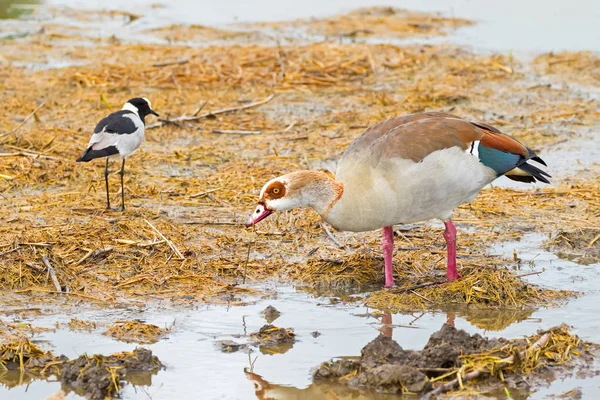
94, 377
136, 332
386, 367
580, 245
230, 346
22, 354
269, 339
98, 376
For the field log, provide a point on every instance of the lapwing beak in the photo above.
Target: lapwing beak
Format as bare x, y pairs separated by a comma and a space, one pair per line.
154, 112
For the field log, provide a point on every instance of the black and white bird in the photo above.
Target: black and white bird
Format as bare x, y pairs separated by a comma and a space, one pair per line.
120, 133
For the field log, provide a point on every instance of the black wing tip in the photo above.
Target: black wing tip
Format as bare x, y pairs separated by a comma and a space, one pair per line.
85, 157
536, 174
539, 160
91, 154
528, 179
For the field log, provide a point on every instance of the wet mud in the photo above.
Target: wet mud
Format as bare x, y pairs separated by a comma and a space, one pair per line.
94, 377
136, 332
273, 340
97, 377
269, 339
385, 367
580, 245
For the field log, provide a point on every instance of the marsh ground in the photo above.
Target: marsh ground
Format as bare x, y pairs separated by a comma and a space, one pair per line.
319, 82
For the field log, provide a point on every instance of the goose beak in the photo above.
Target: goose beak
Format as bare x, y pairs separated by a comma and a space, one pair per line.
258, 215
154, 112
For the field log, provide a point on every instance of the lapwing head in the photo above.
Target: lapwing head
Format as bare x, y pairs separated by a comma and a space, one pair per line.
143, 106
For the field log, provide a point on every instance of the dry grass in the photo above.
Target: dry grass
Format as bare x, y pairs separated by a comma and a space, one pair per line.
136, 332
479, 288
77, 324
22, 354
197, 187
577, 67
376, 21
198, 34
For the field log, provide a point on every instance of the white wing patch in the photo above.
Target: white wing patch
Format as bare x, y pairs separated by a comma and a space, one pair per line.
102, 140
474, 148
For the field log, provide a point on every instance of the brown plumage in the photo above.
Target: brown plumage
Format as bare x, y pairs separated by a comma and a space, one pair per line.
414, 136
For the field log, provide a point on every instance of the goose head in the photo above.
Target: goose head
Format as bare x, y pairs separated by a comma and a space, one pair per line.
316, 189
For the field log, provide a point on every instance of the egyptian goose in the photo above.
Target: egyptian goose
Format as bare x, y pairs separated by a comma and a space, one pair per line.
404, 170
121, 133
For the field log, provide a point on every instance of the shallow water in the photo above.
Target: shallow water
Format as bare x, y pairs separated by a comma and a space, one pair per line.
190, 353
513, 25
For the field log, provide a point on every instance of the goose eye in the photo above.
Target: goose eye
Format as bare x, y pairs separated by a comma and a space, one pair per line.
276, 191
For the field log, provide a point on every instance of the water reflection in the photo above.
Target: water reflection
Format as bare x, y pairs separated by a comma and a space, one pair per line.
490, 319
14, 378
315, 391
276, 348
11, 379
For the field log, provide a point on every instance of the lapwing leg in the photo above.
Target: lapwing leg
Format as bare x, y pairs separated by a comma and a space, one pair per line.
387, 244
106, 180
450, 236
122, 186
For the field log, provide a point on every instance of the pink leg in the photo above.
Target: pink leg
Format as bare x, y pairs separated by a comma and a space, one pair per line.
450, 236
387, 243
